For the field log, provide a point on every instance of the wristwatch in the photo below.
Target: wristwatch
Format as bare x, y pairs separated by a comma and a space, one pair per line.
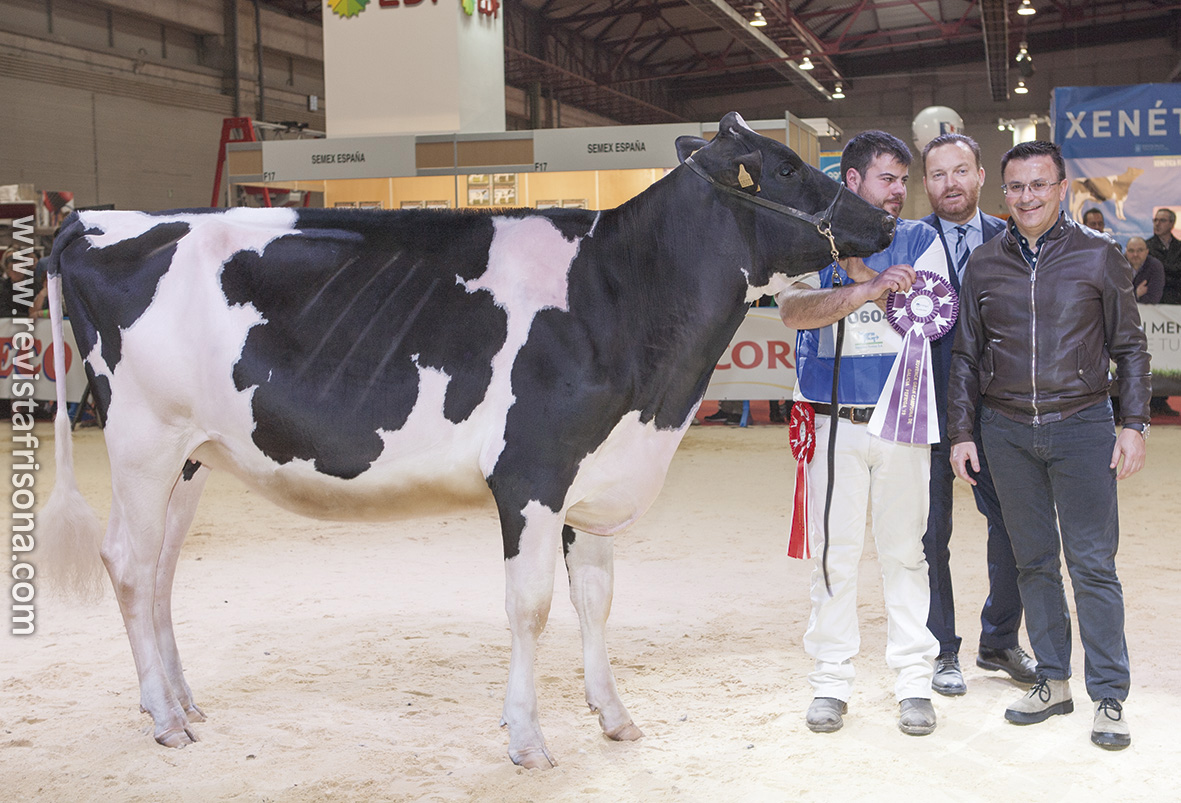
1139, 427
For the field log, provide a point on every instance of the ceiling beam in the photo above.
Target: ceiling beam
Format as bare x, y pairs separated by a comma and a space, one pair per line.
730, 21
995, 16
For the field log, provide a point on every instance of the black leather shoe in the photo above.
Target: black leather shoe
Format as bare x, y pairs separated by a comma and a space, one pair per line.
916, 716
722, 417
949, 679
825, 715
1014, 660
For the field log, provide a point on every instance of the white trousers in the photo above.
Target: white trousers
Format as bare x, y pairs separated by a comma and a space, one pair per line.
892, 481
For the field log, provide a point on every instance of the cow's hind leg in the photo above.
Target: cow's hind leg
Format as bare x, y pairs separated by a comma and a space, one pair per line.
531, 560
182, 507
142, 481
590, 563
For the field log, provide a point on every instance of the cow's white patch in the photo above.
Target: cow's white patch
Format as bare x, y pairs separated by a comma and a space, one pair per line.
160, 397
528, 271
95, 359
620, 480
774, 286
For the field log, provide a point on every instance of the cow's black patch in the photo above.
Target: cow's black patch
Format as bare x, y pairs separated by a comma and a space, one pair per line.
572, 223
354, 303
107, 289
100, 388
190, 470
568, 536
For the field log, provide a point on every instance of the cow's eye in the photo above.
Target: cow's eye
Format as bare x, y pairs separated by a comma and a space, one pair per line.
786, 171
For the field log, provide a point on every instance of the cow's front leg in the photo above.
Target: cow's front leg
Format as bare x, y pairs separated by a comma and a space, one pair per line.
590, 563
529, 590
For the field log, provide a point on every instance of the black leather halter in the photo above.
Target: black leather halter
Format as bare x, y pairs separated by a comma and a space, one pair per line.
821, 222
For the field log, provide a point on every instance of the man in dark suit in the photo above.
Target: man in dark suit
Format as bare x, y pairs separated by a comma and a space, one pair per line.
952, 177
1167, 248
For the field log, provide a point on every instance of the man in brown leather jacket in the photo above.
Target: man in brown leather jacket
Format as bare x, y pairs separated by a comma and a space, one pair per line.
1043, 309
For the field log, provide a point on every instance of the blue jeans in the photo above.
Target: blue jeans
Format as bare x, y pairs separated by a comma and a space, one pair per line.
1056, 475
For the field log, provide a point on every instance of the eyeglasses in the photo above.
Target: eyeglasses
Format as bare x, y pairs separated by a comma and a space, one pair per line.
1038, 187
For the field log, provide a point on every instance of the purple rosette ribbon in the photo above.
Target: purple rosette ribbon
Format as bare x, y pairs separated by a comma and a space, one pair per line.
905, 411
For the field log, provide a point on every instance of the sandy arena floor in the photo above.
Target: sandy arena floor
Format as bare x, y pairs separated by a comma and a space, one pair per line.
338, 662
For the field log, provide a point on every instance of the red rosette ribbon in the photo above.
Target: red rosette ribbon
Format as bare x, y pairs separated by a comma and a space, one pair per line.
802, 434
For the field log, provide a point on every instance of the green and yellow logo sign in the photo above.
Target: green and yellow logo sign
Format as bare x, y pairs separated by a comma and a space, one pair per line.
347, 8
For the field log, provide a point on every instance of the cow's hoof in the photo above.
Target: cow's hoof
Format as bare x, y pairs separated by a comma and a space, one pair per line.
176, 737
195, 714
625, 733
535, 758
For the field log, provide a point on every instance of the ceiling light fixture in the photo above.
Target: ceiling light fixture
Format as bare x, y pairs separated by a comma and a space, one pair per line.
1026, 9
1024, 61
807, 64
838, 93
758, 20
1021, 88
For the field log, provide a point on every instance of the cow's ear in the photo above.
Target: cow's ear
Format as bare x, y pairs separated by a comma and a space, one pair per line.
687, 146
745, 172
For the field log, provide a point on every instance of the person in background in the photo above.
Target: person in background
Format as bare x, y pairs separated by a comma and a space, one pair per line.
1048, 428
1148, 274
889, 479
34, 291
8, 278
1093, 219
1148, 281
1167, 248
729, 412
952, 177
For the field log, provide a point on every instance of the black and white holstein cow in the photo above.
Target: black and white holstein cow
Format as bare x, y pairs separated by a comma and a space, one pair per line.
370, 365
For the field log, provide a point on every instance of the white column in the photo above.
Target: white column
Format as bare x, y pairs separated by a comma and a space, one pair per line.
413, 66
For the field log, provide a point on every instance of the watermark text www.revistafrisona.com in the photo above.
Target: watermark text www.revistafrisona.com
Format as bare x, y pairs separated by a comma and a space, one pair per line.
24, 442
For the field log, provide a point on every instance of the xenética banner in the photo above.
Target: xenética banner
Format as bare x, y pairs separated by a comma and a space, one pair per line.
1122, 146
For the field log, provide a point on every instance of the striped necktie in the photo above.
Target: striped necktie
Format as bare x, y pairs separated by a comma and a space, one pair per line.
961, 251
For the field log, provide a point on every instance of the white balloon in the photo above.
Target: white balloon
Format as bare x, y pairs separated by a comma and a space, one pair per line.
933, 121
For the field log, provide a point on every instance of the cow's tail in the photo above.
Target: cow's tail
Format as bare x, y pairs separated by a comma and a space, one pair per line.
69, 534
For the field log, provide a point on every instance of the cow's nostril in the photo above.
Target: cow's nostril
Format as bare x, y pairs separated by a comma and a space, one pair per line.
888, 225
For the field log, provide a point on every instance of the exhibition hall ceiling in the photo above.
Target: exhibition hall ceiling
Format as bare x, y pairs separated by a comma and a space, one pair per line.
650, 61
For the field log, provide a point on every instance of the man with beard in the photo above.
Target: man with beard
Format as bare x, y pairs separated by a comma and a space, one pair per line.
870, 472
952, 177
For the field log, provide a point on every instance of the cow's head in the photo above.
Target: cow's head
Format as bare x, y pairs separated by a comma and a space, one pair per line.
785, 205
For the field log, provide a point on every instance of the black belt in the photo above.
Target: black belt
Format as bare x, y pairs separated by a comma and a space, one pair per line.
858, 415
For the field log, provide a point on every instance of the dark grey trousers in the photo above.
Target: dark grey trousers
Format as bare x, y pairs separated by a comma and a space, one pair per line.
1053, 476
